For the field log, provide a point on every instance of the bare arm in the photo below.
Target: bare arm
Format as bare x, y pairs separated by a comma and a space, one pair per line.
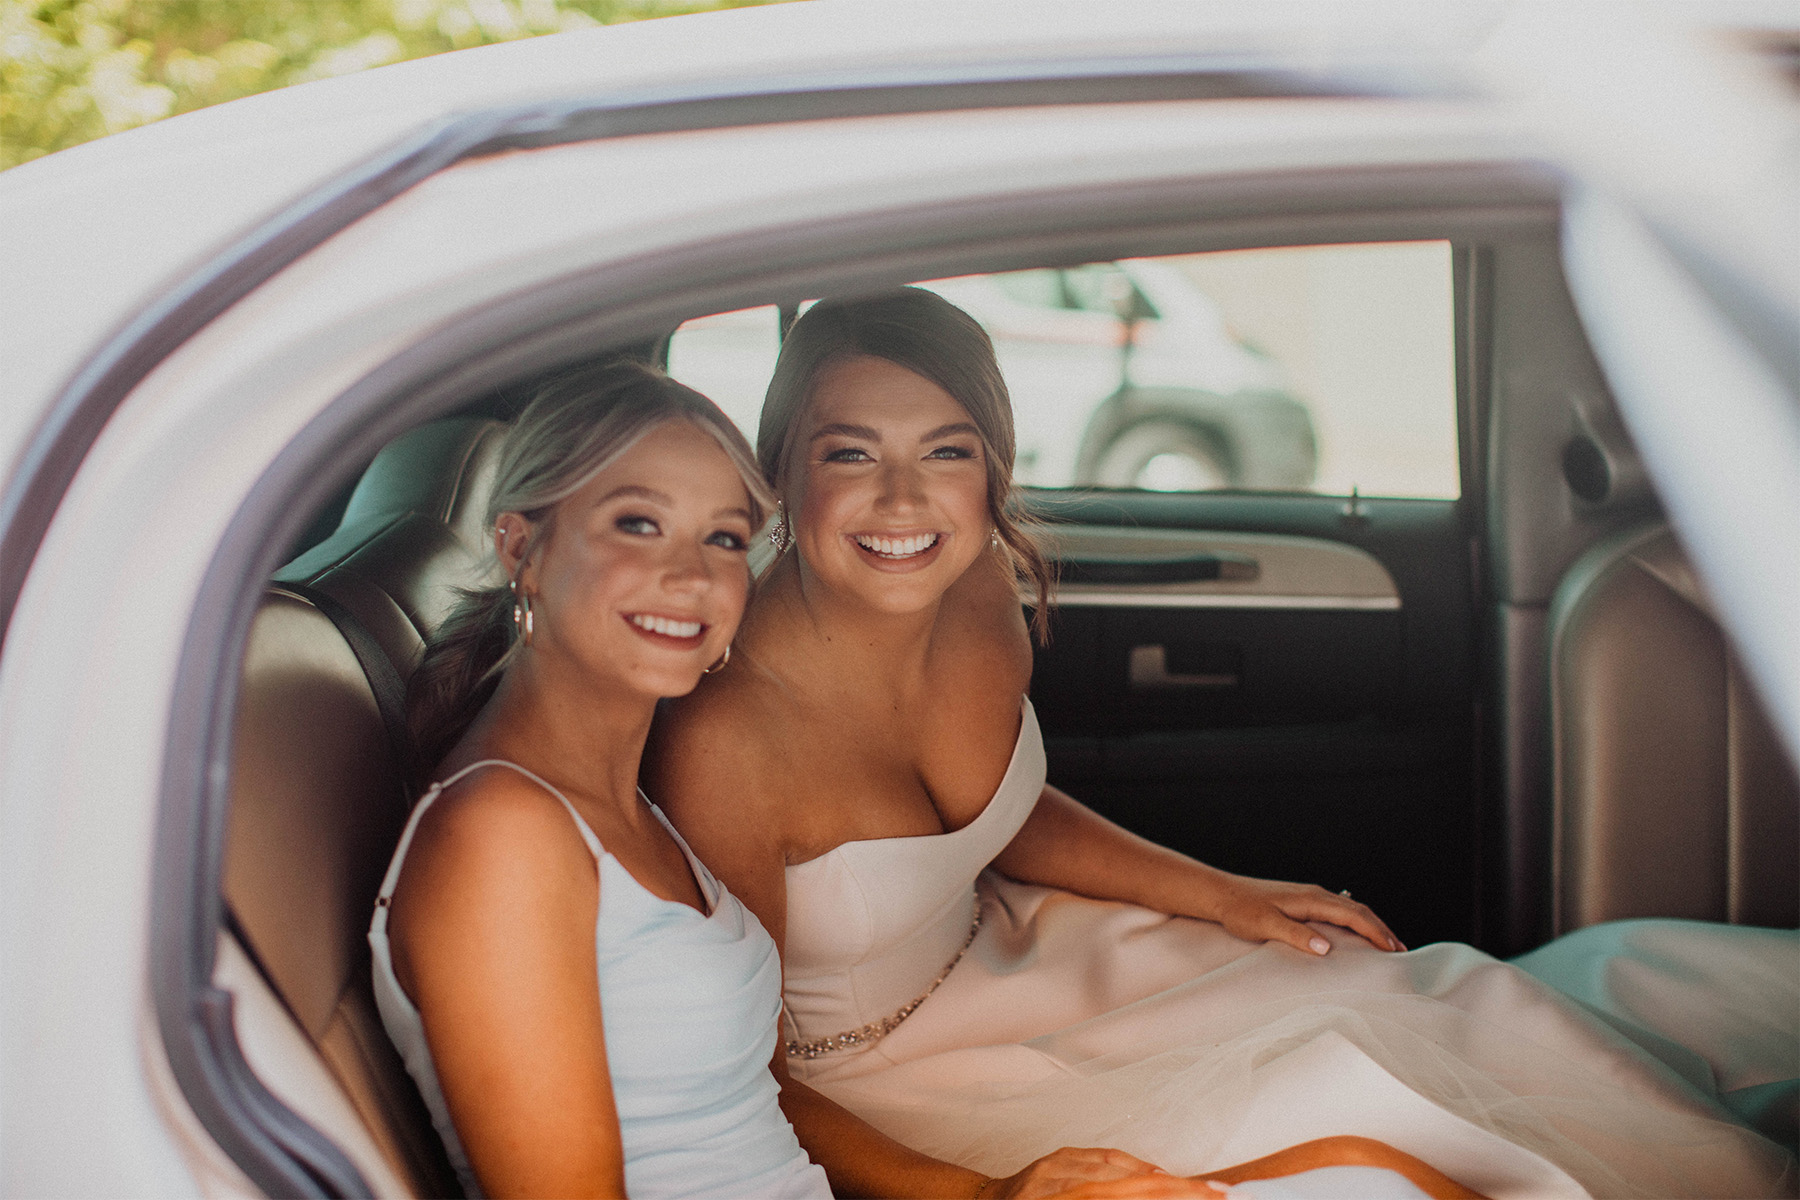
861, 1161
493, 925
1347, 1152
1067, 845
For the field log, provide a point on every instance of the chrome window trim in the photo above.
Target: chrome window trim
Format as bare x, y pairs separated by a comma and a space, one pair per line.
1122, 597
1284, 571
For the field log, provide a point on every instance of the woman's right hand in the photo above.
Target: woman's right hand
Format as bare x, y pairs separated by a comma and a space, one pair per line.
1084, 1174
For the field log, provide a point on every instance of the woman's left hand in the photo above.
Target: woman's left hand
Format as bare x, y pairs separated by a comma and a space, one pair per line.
1269, 910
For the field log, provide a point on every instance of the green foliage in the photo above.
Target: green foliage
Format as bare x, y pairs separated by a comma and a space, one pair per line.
72, 70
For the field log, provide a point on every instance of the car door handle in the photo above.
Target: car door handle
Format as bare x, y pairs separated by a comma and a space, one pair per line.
1148, 667
1198, 568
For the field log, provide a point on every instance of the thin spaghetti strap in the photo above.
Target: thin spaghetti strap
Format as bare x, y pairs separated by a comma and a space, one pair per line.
392, 878
437, 789
587, 834
704, 879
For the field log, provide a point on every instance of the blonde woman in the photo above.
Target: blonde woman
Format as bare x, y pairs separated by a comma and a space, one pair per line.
585, 1009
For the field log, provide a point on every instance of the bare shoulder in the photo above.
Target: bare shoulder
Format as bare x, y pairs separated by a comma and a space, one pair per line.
496, 863
496, 829
985, 626
713, 766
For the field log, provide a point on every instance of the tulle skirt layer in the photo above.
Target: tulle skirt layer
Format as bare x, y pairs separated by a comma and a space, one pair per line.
1072, 1022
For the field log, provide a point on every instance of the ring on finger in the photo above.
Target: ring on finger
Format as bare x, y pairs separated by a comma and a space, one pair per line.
1345, 893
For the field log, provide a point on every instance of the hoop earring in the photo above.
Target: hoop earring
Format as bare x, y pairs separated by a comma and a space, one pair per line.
720, 665
522, 615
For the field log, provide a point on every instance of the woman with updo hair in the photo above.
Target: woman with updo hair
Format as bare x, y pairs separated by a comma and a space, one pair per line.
984, 969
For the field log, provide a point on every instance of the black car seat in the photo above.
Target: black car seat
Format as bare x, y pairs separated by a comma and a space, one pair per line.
1672, 796
413, 531
318, 795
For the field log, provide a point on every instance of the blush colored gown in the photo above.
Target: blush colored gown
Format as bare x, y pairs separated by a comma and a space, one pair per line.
1066, 1021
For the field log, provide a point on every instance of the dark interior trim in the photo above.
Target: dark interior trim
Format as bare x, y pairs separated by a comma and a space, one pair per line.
558, 322
1473, 276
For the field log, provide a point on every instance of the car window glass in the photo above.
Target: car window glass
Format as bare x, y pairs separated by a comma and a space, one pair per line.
1364, 337
1040, 289
729, 357
1309, 368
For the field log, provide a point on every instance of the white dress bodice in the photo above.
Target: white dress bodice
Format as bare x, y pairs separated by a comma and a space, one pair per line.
689, 1011
872, 923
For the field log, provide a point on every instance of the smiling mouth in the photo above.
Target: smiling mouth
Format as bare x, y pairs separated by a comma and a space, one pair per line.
896, 548
668, 627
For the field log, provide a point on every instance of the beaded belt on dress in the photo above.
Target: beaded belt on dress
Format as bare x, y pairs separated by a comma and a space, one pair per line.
874, 1031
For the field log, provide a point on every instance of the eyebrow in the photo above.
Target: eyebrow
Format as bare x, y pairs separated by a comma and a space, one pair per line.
874, 435
838, 429
632, 489
667, 501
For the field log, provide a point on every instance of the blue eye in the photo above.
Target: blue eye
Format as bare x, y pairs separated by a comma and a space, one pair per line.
849, 454
951, 452
642, 526
725, 539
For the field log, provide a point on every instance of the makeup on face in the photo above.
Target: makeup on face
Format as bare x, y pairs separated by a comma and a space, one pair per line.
892, 502
644, 577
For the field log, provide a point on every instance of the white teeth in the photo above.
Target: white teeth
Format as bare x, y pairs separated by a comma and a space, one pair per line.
663, 625
904, 547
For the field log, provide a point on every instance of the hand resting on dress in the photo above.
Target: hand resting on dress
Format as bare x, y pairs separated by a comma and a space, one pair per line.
1270, 910
1079, 1174
1076, 1172
1065, 844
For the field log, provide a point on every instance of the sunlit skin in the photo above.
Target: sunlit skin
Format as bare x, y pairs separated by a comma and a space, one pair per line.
492, 924
885, 458
888, 653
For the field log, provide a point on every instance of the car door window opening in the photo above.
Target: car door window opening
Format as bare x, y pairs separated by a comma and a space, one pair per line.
1362, 708
469, 359
1296, 368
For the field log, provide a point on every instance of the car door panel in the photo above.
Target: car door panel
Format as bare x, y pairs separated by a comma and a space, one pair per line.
1311, 722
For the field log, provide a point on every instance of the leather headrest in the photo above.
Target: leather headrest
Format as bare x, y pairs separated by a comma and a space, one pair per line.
443, 470
414, 532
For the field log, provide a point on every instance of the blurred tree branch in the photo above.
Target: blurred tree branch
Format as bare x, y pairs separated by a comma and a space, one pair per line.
74, 70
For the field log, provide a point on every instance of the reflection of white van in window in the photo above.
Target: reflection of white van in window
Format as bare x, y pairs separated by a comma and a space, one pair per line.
1125, 375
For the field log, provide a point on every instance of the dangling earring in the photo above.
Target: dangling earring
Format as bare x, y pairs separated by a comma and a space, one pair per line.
994, 538
780, 537
720, 665
521, 613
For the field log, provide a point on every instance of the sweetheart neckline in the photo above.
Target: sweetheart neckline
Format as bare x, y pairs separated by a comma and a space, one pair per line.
1012, 763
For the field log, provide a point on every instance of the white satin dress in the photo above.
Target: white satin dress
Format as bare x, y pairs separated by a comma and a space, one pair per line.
689, 1005
1075, 1022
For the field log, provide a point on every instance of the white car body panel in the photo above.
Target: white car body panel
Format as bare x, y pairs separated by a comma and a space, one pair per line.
138, 527
86, 1105
199, 180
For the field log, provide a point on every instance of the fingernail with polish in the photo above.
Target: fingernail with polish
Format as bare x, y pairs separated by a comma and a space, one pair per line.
1320, 945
